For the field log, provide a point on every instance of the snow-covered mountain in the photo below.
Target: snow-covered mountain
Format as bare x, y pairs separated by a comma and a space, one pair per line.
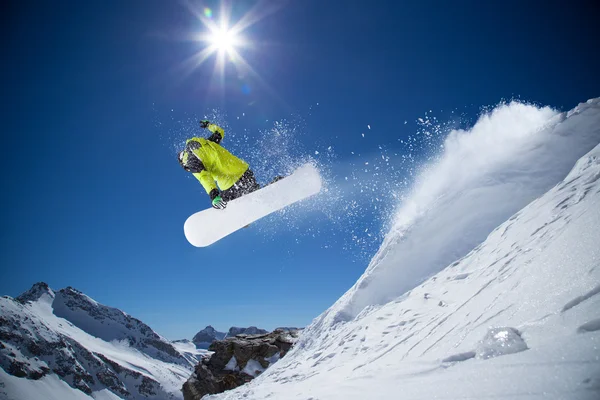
486, 286
64, 345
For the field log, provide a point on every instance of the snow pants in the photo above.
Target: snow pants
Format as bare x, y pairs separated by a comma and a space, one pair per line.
246, 184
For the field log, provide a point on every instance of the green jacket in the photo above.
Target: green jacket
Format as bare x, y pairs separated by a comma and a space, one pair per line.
219, 167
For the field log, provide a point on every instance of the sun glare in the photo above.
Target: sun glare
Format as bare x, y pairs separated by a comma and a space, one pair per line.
224, 40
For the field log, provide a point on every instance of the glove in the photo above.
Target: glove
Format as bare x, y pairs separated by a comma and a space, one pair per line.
204, 123
219, 203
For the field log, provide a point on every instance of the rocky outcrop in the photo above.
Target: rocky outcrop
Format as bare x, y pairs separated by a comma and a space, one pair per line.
237, 360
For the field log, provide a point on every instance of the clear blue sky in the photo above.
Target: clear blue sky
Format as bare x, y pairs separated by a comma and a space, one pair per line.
94, 101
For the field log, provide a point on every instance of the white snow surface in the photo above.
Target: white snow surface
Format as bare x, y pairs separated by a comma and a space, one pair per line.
232, 365
253, 368
189, 350
487, 285
39, 321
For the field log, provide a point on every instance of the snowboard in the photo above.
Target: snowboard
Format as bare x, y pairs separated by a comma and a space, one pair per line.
209, 226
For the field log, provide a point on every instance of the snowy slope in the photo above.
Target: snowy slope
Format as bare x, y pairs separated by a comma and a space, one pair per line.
471, 295
65, 345
189, 350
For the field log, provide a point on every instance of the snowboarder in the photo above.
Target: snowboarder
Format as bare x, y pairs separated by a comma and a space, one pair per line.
213, 165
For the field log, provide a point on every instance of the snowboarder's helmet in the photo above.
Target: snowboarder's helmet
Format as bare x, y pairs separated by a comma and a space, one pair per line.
204, 123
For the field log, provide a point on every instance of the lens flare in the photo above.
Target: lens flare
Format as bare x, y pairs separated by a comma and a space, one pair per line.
223, 38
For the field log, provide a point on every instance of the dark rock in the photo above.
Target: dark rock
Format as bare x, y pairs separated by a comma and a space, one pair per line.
237, 360
17, 369
108, 378
35, 375
34, 294
163, 346
37, 350
204, 382
148, 387
82, 383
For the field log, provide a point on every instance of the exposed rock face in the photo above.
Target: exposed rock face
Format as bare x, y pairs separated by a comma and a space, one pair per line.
237, 360
37, 290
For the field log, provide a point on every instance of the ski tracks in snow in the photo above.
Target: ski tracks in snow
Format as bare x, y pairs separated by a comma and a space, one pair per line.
536, 275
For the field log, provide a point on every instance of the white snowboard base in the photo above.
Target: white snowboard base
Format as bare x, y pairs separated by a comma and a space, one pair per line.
209, 226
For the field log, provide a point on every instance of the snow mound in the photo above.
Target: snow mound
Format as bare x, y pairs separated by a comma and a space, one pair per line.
499, 342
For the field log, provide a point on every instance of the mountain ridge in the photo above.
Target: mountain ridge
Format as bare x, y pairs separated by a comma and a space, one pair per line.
66, 336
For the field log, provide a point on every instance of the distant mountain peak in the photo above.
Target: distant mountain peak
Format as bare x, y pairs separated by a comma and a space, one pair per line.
35, 293
206, 336
87, 345
251, 330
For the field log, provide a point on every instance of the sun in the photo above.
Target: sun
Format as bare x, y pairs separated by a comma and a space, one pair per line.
224, 40
223, 35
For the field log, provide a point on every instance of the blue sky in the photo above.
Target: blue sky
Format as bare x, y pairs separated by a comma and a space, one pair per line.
95, 101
